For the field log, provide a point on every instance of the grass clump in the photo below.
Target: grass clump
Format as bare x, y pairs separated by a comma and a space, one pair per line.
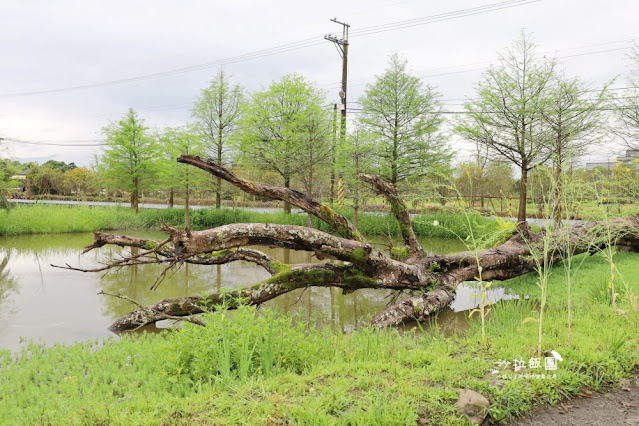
238, 344
459, 225
42, 219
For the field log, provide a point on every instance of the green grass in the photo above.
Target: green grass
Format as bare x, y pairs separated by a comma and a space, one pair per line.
40, 219
256, 367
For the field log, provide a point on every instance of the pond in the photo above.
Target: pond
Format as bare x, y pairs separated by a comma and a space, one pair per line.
40, 302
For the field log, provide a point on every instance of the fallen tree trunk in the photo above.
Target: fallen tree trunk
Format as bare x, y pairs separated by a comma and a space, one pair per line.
359, 264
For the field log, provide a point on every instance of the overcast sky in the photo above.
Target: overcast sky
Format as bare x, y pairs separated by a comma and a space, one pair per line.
51, 45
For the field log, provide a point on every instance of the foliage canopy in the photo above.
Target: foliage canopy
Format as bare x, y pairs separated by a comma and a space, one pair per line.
402, 118
130, 155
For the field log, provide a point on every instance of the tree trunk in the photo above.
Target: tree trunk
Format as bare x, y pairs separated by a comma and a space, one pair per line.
356, 192
394, 158
220, 140
218, 195
364, 267
361, 264
558, 188
521, 215
135, 196
187, 208
287, 203
309, 191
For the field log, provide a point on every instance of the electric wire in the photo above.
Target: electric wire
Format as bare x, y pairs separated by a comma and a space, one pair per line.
352, 110
301, 44
422, 75
439, 18
44, 143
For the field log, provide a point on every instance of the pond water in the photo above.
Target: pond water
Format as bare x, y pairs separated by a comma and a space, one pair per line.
40, 302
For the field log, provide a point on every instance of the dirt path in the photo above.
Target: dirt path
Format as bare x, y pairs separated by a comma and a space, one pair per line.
617, 407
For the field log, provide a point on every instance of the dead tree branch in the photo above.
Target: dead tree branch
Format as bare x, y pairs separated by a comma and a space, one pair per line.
211, 258
296, 198
360, 264
290, 278
399, 209
150, 313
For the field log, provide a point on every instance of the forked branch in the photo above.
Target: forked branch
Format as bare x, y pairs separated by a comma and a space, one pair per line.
296, 198
399, 209
359, 264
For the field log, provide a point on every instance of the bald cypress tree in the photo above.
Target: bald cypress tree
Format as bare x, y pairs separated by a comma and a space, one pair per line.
130, 156
402, 117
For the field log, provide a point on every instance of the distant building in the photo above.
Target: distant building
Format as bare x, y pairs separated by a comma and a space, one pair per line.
20, 176
606, 165
630, 159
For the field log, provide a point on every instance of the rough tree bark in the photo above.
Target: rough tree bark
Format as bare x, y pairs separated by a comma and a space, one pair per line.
360, 264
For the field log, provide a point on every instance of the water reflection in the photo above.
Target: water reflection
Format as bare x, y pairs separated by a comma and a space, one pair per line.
468, 296
58, 305
8, 284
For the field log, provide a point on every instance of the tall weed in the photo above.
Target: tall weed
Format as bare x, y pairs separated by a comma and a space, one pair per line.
242, 343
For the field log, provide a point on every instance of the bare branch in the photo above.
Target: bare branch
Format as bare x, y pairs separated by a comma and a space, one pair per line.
126, 241
160, 278
399, 209
294, 277
296, 198
120, 264
150, 313
416, 308
210, 258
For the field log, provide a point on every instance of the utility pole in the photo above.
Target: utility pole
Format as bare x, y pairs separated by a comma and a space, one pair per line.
331, 192
342, 48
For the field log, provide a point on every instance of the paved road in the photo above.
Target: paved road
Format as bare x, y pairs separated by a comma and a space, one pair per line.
616, 406
141, 205
96, 203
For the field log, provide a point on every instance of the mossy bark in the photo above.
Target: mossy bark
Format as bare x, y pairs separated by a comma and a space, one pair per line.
362, 265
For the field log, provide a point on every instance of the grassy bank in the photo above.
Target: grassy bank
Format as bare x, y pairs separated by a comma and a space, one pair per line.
42, 219
39, 219
266, 369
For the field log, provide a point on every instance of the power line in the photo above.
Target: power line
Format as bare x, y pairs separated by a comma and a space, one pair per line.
361, 111
594, 53
423, 75
67, 143
441, 17
460, 101
301, 44
253, 55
